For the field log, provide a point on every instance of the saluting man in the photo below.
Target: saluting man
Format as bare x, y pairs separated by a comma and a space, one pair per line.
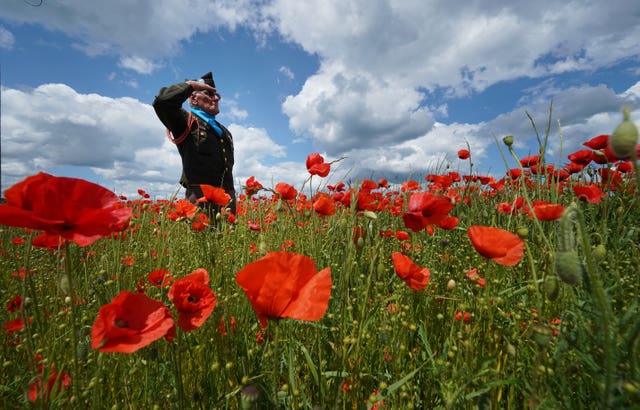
205, 145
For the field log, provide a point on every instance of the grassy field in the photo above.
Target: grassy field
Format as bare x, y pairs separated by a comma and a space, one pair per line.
451, 291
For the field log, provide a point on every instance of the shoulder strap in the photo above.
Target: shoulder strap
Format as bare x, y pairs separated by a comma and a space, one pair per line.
190, 120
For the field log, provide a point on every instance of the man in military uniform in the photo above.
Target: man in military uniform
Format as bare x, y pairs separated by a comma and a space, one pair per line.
205, 145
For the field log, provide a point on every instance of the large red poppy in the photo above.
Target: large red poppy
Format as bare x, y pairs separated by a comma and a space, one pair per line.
504, 247
214, 195
416, 277
74, 209
130, 322
286, 191
324, 205
599, 142
590, 193
286, 285
545, 211
193, 299
316, 165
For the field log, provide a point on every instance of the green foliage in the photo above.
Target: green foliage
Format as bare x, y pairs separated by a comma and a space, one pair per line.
454, 345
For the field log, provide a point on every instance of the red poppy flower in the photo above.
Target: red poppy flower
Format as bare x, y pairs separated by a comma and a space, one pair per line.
410, 185
183, 209
463, 154
286, 285
193, 299
383, 183
200, 222
424, 209
324, 205
286, 191
581, 157
130, 322
416, 277
339, 187
15, 304
462, 316
214, 195
251, 186
573, 168
448, 222
74, 209
590, 193
56, 381
597, 143
317, 166
14, 325
160, 278
529, 161
504, 247
545, 211
624, 166
18, 241
514, 173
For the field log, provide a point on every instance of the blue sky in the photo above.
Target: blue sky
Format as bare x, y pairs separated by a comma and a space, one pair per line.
394, 87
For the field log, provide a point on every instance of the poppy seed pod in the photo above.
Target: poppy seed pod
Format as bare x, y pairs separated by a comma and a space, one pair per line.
569, 267
625, 137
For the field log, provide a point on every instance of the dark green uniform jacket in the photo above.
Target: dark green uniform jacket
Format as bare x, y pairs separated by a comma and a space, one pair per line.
207, 158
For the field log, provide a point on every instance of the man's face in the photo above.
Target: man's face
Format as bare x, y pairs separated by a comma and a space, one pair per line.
206, 101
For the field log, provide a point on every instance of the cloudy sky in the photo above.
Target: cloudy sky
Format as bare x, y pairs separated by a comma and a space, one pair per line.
396, 87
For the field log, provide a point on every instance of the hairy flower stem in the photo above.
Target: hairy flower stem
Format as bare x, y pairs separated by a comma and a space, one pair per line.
177, 367
74, 316
602, 302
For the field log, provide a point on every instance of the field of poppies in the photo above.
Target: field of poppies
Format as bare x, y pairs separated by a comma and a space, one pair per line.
450, 291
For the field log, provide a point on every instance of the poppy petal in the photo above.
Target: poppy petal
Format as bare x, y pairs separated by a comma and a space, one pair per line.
504, 247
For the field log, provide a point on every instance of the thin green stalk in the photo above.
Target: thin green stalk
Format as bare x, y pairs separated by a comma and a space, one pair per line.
604, 307
74, 316
177, 367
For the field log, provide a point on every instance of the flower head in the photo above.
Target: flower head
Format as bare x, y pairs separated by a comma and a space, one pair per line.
286, 285
316, 165
130, 322
502, 246
286, 191
73, 209
416, 277
214, 195
193, 299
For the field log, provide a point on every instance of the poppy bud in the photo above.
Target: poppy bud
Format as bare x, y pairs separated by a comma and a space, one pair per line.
370, 215
551, 287
65, 286
541, 335
248, 396
625, 137
599, 252
508, 140
566, 233
569, 267
522, 232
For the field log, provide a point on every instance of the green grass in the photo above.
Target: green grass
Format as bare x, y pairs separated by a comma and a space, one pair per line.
379, 341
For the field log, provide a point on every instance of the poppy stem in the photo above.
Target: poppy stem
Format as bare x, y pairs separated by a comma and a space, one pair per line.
74, 314
602, 302
177, 363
